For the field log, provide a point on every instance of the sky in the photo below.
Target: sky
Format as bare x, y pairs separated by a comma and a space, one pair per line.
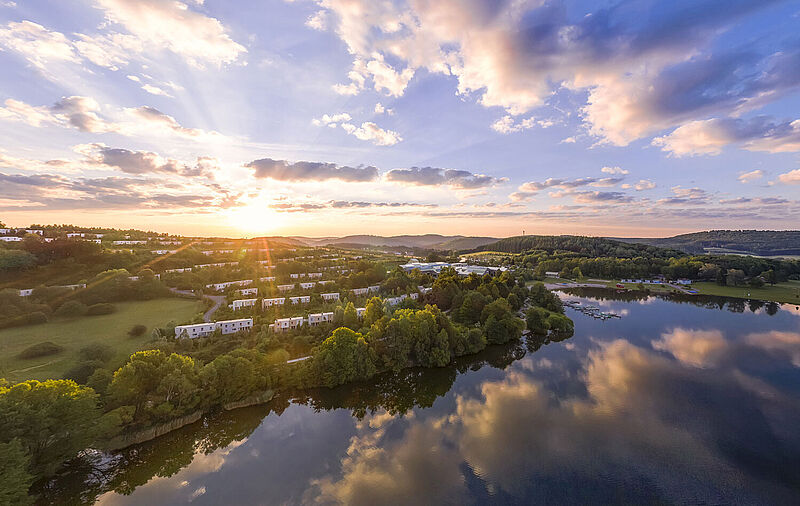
332, 117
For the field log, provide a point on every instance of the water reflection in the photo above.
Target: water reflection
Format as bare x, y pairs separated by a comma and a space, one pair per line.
673, 403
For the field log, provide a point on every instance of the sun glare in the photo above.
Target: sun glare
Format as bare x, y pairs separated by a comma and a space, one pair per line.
255, 219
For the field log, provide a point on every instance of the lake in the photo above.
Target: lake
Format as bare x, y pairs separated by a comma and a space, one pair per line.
679, 401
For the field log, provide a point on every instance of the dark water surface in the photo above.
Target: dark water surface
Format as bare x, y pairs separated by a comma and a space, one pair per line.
674, 403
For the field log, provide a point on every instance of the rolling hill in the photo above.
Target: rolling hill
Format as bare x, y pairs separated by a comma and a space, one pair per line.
748, 242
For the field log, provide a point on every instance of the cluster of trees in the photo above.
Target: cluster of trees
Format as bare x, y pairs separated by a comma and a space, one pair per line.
759, 242
585, 246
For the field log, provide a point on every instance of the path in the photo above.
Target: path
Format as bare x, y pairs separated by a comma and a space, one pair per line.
218, 300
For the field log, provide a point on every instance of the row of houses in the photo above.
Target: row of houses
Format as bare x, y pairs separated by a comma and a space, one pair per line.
461, 268
206, 329
656, 281
313, 319
222, 286
310, 275
393, 301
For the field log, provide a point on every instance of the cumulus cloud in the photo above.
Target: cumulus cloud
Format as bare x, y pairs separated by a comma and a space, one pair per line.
749, 177
143, 162
369, 131
174, 25
38, 45
642, 74
283, 170
641, 185
331, 119
432, 176
617, 171
791, 177
709, 137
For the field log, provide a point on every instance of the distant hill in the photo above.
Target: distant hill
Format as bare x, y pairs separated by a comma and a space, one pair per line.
588, 246
751, 242
427, 241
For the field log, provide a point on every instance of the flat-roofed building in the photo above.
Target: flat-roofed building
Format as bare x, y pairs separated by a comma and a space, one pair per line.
206, 329
242, 303
285, 288
26, 292
307, 285
302, 299
358, 292
374, 288
284, 324
315, 319
276, 301
327, 297
314, 275
222, 286
267, 279
244, 292
360, 311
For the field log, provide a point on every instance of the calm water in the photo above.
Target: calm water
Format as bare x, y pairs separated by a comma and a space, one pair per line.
673, 403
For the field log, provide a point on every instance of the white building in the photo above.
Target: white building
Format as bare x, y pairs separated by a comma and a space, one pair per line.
267, 278
26, 292
162, 251
285, 288
277, 301
424, 290
413, 296
34, 231
302, 299
10, 238
327, 297
128, 243
242, 303
247, 291
358, 292
374, 288
315, 319
206, 329
325, 282
184, 269
308, 285
314, 275
551, 274
360, 312
284, 324
294, 275
393, 301
222, 286
77, 286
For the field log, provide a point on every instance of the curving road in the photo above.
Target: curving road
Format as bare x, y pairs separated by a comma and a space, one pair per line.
218, 300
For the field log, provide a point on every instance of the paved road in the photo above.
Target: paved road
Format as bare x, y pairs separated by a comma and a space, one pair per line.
218, 300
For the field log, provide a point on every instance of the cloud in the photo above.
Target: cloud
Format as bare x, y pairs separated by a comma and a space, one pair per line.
592, 197
642, 73
698, 348
150, 117
369, 131
380, 109
77, 112
174, 25
431, 176
283, 170
318, 20
332, 119
708, 137
38, 45
749, 177
143, 162
614, 170
641, 185
791, 177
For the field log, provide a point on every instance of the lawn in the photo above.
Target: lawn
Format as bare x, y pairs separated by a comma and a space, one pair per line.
75, 333
788, 292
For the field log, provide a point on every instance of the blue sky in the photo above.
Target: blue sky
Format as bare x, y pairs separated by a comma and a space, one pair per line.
330, 117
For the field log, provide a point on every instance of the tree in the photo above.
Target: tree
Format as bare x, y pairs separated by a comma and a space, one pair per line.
71, 309
735, 277
14, 476
343, 357
769, 276
53, 420
350, 317
756, 282
499, 308
576, 273
536, 320
374, 311
471, 308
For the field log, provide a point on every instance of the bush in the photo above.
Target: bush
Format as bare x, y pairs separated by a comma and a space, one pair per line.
40, 350
137, 330
71, 309
100, 309
35, 318
96, 352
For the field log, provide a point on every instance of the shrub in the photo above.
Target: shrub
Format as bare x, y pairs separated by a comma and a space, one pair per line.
100, 309
36, 317
96, 352
40, 350
137, 330
71, 309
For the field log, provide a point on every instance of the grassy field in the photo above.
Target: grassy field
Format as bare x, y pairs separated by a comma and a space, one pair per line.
788, 292
74, 334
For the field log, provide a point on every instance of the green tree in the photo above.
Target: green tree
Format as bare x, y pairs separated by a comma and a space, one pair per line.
53, 420
735, 277
14, 476
374, 311
350, 317
536, 320
343, 357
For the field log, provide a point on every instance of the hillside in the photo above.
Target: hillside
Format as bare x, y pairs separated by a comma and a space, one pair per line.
589, 246
427, 241
755, 242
